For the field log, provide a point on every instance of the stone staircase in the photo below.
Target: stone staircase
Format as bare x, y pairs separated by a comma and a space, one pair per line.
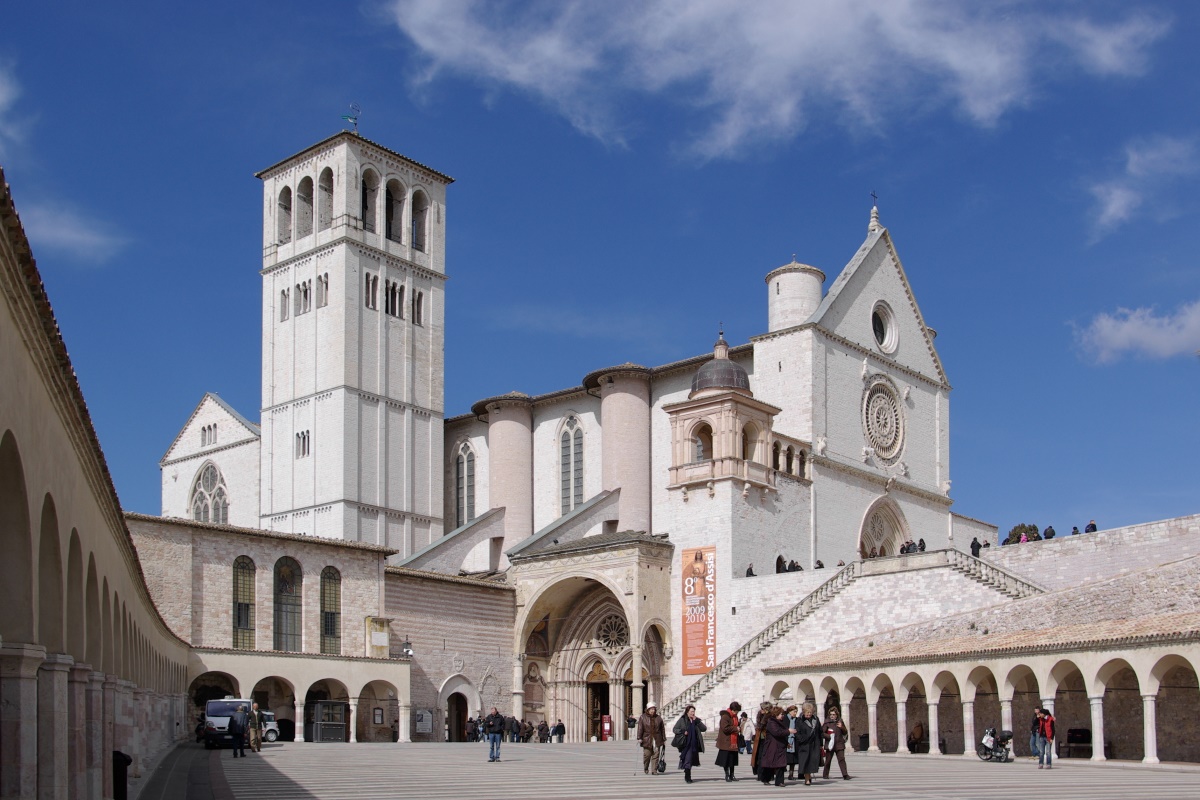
998, 579
1001, 580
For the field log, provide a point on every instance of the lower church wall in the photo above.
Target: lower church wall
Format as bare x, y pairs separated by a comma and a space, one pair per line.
1069, 560
461, 632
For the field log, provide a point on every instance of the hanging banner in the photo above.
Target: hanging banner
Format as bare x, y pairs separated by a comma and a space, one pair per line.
699, 610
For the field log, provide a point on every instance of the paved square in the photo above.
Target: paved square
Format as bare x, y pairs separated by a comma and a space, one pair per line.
544, 772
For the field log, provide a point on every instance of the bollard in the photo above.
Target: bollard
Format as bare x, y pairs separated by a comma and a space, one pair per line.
120, 772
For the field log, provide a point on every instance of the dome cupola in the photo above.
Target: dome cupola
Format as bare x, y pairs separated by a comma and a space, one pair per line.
720, 373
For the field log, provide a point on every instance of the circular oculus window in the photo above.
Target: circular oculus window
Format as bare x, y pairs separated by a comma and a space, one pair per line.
883, 325
883, 420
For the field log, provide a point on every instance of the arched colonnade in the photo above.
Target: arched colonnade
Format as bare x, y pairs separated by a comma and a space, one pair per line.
1142, 703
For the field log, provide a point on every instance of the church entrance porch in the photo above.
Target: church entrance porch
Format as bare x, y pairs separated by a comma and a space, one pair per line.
597, 702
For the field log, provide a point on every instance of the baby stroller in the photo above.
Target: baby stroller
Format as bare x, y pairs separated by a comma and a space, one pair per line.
993, 746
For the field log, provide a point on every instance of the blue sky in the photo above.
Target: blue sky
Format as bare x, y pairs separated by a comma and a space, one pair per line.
627, 173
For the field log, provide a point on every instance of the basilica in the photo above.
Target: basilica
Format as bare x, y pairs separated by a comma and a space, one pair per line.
371, 569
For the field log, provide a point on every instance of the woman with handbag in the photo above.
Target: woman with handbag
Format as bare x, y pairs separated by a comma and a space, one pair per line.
689, 741
808, 743
833, 739
727, 740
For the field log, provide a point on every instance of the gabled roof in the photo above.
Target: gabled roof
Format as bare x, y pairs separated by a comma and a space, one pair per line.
878, 236
254, 431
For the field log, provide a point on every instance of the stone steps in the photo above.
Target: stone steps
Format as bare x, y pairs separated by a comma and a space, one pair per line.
999, 580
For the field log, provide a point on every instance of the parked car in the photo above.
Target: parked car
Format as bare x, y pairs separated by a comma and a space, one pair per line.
270, 730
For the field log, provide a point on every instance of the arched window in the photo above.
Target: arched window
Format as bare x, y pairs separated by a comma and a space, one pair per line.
370, 191
284, 300
304, 208
331, 612
323, 290
775, 457
371, 291
571, 465
283, 216
702, 443
325, 199
289, 585
418, 315
464, 486
210, 498
750, 443
393, 210
800, 459
243, 603
420, 220
789, 460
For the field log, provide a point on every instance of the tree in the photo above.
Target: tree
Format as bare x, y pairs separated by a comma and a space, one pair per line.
1030, 531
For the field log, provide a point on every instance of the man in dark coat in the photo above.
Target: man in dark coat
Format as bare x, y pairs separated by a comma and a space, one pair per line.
493, 728
239, 726
975, 546
652, 736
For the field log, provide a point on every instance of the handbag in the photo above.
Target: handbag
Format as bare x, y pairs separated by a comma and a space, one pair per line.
741, 742
662, 765
680, 741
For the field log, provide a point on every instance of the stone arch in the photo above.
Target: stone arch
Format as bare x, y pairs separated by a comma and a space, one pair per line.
700, 439
16, 542
983, 689
882, 692
946, 690
1022, 688
377, 718
279, 695
1064, 691
912, 696
50, 581
1173, 680
778, 690
1061, 670
1123, 708
94, 651
456, 712
557, 592
76, 617
212, 686
852, 704
106, 627
883, 527
806, 692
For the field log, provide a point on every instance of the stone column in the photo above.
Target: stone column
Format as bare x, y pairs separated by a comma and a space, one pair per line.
872, 727
405, 723
138, 699
1097, 708
518, 699
616, 707
19, 718
94, 736
1006, 722
53, 715
639, 687
625, 446
845, 715
934, 735
300, 721
352, 717
901, 727
1150, 726
78, 682
582, 711
1048, 704
969, 743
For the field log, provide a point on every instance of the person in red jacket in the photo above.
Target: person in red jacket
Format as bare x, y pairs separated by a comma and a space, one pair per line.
1045, 737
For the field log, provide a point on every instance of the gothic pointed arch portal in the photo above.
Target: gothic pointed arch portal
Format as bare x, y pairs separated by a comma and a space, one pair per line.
884, 529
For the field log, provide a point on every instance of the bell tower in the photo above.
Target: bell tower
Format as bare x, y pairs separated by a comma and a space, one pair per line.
353, 329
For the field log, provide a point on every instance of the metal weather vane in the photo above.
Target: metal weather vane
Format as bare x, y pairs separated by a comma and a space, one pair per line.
352, 117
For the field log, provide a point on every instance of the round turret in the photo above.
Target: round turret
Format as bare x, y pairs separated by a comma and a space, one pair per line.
793, 294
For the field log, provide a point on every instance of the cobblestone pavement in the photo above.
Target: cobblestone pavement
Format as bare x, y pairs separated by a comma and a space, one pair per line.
545, 772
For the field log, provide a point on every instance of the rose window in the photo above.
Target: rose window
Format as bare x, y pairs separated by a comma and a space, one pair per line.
612, 634
883, 422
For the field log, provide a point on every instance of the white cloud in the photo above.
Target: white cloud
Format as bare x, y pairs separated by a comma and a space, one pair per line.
762, 70
11, 129
1143, 332
1152, 168
56, 228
